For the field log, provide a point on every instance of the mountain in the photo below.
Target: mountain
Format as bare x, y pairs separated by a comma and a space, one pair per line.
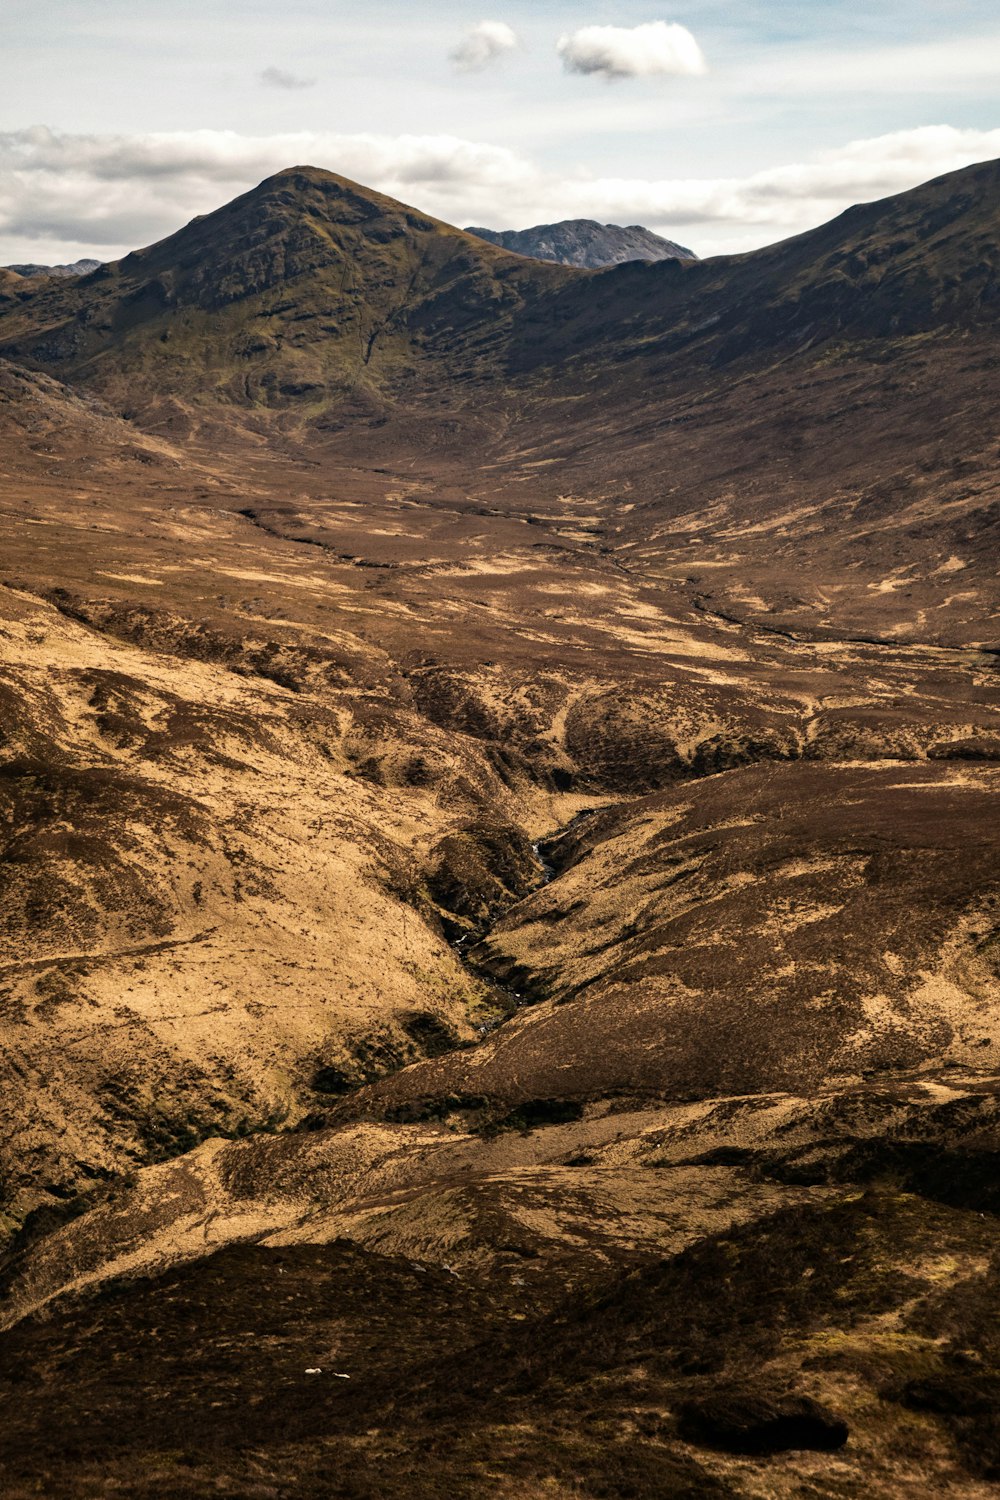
75, 268
308, 290
585, 242
499, 878
801, 379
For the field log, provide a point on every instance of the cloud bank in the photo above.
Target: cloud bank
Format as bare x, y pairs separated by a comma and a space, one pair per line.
655, 48
63, 195
483, 45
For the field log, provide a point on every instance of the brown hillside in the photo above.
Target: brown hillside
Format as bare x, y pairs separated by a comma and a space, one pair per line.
499, 871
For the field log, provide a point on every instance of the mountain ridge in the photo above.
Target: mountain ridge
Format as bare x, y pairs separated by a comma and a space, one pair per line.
586, 243
424, 277
311, 305
72, 268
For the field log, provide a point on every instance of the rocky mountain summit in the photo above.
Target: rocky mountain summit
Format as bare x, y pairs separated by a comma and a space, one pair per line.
73, 268
586, 243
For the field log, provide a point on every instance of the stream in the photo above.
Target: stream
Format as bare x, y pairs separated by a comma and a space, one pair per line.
512, 1000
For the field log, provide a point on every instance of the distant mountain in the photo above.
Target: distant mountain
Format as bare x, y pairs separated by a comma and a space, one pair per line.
584, 242
76, 268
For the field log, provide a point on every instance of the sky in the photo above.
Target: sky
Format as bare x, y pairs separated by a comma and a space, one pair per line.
724, 126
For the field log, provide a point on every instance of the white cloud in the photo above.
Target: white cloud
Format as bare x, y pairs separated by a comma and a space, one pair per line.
62, 196
110, 194
277, 78
724, 215
658, 47
482, 45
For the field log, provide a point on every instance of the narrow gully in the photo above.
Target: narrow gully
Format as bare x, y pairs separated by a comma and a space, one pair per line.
513, 1000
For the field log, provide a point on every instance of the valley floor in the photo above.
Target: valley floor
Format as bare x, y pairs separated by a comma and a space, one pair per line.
477, 1015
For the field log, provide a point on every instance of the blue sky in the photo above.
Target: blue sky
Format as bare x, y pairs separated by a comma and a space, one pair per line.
154, 111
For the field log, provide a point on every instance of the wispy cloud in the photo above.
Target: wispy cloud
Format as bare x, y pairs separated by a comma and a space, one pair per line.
656, 48
65, 195
483, 45
277, 78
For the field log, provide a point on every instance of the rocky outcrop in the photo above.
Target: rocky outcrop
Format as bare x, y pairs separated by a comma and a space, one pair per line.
586, 243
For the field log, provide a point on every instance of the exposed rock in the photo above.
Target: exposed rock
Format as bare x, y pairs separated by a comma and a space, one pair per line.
73, 268
584, 242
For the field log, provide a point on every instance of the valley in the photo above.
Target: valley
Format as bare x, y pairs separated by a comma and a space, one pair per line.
499, 866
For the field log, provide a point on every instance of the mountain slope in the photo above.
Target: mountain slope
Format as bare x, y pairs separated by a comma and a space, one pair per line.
923, 260
308, 289
809, 412
310, 284
365, 275
10, 284
586, 243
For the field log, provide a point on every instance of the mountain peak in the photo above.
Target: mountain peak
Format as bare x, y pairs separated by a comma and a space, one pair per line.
299, 222
307, 285
586, 243
294, 202
328, 192
31, 269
